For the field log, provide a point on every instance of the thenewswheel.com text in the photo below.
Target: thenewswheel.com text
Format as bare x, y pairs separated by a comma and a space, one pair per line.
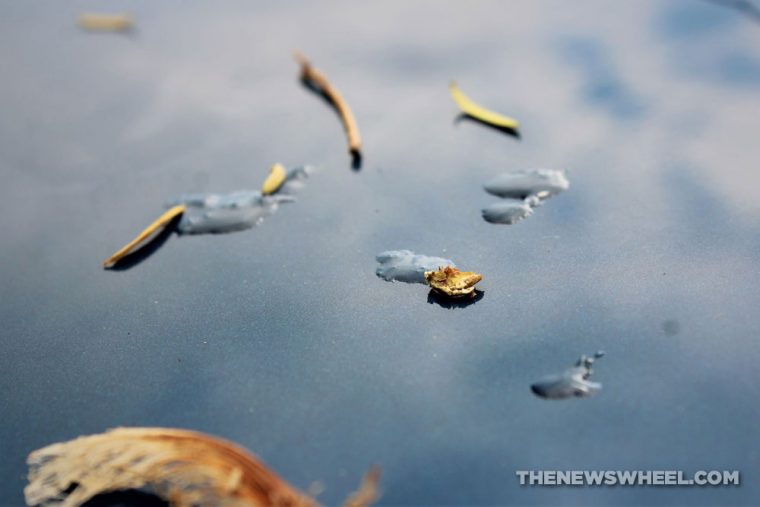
627, 478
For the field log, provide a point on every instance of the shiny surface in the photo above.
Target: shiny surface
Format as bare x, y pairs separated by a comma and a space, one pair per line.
282, 338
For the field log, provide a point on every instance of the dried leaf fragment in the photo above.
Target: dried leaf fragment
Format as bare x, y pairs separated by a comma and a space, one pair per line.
106, 22
478, 112
275, 180
145, 235
183, 467
451, 282
319, 81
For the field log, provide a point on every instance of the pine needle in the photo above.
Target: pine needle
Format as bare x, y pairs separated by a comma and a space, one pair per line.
141, 238
105, 22
478, 112
277, 176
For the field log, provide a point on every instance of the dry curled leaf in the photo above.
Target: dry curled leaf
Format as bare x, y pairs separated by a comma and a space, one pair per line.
106, 22
145, 236
450, 281
480, 113
318, 81
185, 468
276, 178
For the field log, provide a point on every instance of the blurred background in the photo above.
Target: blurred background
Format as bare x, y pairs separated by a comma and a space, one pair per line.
282, 338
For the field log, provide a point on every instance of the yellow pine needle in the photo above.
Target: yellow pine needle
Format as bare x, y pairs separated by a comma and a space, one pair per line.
478, 112
274, 181
105, 22
133, 245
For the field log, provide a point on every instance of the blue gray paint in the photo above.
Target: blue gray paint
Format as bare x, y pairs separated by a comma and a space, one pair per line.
604, 85
406, 266
705, 42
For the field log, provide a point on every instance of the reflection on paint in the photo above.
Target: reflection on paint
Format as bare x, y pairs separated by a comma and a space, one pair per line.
604, 85
435, 297
524, 190
671, 327
573, 382
235, 211
406, 266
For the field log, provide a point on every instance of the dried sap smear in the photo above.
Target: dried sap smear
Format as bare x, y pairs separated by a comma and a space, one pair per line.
541, 183
523, 191
185, 468
406, 266
508, 212
235, 211
572, 382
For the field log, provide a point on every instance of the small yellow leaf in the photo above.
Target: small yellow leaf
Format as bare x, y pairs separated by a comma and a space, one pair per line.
274, 181
478, 112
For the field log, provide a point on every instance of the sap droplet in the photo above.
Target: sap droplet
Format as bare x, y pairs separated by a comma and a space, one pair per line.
235, 211
406, 266
542, 183
507, 212
524, 190
573, 382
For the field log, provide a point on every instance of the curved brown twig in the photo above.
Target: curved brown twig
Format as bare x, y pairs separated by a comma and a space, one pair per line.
185, 468
319, 82
368, 492
182, 467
